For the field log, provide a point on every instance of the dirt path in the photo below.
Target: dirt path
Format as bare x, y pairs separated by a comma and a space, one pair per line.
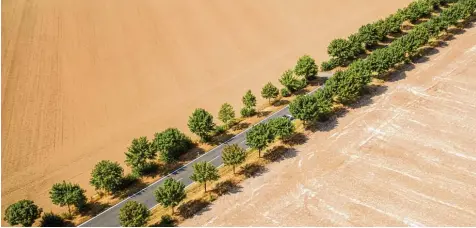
405, 158
80, 79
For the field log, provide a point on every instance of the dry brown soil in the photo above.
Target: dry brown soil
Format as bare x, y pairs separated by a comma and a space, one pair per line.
80, 79
406, 157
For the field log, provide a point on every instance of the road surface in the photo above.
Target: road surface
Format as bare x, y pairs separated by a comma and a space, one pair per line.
110, 217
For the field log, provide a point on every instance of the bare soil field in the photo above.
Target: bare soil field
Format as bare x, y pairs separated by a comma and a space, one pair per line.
81, 79
404, 157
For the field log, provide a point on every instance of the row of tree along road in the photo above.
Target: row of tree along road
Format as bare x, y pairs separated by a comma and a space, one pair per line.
373, 51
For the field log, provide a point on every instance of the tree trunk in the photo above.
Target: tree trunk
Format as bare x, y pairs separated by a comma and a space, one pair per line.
172, 210
69, 210
259, 153
269, 100
234, 169
205, 186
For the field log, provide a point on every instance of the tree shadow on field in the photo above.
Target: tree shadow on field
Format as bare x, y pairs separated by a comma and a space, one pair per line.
193, 207
279, 153
240, 126
398, 73
253, 170
323, 126
297, 139
226, 187
366, 99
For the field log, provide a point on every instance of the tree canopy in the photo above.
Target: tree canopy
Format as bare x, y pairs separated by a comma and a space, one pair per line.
134, 214
305, 107
306, 67
170, 194
203, 172
258, 137
281, 127
269, 92
201, 123
171, 143
233, 155
292, 83
23, 212
226, 114
107, 176
67, 194
249, 100
138, 153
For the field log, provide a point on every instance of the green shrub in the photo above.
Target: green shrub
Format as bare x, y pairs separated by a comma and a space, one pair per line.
247, 111
285, 92
220, 129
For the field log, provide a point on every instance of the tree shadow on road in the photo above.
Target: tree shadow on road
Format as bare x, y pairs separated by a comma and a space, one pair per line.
135, 187
263, 113
240, 126
280, 102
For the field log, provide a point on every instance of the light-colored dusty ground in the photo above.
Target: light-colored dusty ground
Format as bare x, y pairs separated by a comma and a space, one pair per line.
407, 159
80, 79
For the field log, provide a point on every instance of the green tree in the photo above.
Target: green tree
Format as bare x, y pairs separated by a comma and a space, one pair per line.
289, 81
138, 153
418, 9
203, 172
249, 100
226, 114
342, 50
247, 111
285, 92
233, 155
23, 212
305, 107
368, 35
170, 194
49, 219
381, 29
393, 23
134, 214
258, 137
171, 143
363, 69
67, 194
347, 86
306, 67
281, 127
107, 176
269, 92
324, 105
201, 123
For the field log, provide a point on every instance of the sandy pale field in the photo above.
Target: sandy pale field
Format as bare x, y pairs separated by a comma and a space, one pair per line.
81, 79
406, 158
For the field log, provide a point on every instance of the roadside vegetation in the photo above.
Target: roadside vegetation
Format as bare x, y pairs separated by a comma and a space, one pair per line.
374, 52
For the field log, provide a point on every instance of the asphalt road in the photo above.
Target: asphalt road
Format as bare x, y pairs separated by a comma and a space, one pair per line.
110, 217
